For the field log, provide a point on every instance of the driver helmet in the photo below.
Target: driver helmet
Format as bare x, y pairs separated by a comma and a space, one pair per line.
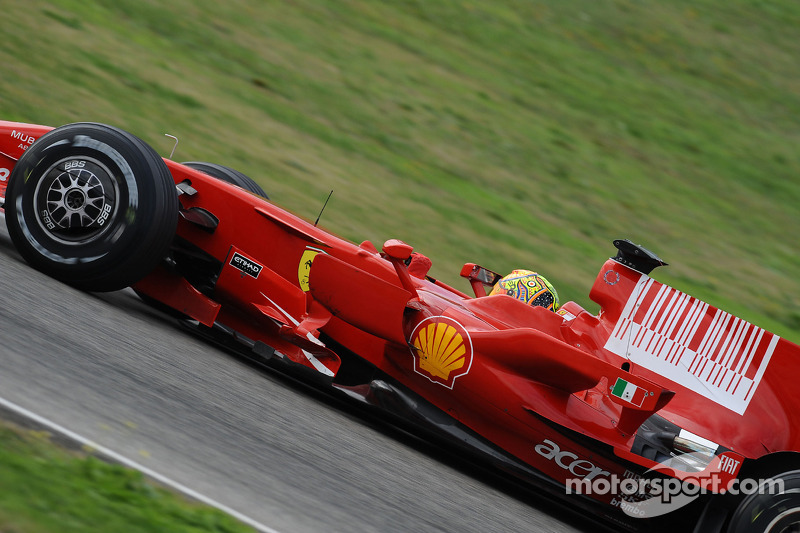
529, 287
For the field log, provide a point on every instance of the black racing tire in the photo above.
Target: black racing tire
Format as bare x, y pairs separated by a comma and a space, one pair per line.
228, 175
93, 206
769, 510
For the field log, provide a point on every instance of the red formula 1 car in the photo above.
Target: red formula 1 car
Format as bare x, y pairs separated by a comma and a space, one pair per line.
660, 402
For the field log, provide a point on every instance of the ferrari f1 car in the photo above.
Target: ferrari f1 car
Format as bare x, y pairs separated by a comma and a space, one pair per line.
659, 402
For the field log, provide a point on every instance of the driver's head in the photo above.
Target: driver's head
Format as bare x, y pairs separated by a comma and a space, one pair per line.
528, 287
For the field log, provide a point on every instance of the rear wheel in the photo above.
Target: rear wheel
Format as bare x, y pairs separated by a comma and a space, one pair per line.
92, 205
228, 175
774, 508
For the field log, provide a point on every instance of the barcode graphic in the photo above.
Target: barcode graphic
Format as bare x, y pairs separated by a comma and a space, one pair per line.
712, 352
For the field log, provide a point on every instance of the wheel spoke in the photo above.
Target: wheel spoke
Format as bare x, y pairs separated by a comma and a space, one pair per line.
75, 203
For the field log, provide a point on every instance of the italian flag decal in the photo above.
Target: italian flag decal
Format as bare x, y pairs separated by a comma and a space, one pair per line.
628, 392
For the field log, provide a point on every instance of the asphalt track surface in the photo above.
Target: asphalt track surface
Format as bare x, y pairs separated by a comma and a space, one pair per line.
119, 373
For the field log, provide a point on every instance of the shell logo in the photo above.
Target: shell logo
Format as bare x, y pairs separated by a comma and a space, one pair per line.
442, 350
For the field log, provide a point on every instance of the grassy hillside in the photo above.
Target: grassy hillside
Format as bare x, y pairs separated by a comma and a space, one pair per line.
512, 133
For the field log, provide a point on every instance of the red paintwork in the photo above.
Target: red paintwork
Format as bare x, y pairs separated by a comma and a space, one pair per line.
519, 365
15, 138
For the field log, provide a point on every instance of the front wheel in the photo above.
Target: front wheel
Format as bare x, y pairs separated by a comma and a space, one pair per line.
92, 205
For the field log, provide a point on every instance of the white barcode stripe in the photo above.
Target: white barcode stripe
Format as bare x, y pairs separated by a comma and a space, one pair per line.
751, 354
670, 302
657, 304
714, 332
650, 313
726, 351
736, 342
694, 319
763, 366
699, 313
708, 332
669, 305
674, 321
754, 334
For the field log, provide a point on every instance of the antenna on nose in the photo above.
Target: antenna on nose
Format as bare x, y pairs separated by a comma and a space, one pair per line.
323, 208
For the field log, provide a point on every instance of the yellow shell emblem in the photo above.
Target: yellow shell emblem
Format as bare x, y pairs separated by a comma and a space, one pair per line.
442, 350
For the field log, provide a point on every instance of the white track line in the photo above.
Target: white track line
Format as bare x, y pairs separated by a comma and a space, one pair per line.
133, 464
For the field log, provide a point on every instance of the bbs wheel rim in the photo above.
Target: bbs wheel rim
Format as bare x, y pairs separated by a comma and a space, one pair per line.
75, 200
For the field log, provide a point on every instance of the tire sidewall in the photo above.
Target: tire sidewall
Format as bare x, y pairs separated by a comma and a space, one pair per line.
129, 169
760, 513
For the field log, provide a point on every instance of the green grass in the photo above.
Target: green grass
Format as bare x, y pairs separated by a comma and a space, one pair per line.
510, 133
45, 488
